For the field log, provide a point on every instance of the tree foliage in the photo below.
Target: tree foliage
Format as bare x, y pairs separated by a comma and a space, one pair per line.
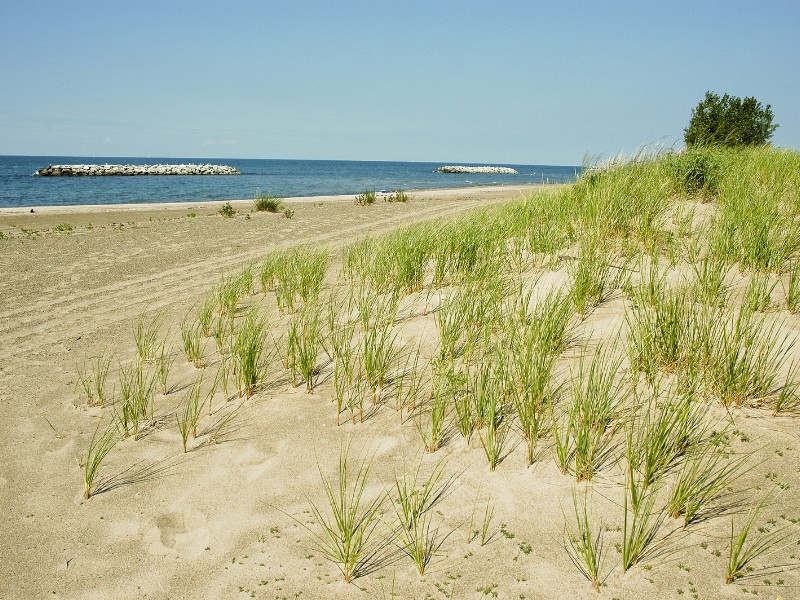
729, 121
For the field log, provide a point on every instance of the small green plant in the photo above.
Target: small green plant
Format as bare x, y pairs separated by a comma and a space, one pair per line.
63, 227
378, 351
99, 447
137, 403
288, 213
249, 353
146, 335
705, 476
188, 416
227, 210
741, 554
264, 202
191, 335
585, 548
398, 196
486, 532
347, 536
415, 495
792, 288
435, 434
414, 500
494, 442
205, 314
164, 361
94, 383
758, 295
305, 343
366, 198
641, 521
591, 278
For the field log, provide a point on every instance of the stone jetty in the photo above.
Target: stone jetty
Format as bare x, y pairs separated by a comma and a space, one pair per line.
99, 170
495, 170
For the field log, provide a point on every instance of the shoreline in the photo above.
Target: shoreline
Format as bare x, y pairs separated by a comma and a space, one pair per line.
42, 215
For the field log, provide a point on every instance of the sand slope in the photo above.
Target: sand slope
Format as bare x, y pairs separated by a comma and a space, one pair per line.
227, 519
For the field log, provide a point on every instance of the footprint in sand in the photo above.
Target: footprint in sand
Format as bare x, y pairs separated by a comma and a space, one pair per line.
182, 533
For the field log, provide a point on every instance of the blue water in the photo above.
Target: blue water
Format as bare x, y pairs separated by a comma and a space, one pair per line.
285, 178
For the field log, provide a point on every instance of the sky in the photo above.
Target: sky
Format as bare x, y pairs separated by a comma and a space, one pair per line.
515, 82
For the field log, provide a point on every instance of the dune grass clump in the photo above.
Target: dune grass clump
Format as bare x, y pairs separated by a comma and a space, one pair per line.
297, 275
99, 447
249, 353
146, 335
704, 478
378, 353
348, 523
584, 443
585, 542
758, 295
305, 344
660, 431
746, 359
709, 285
266, 202
623, 199
137, 398
494, 440
164, 360
535, 341
408, 384
191, 337
188, 415
433, 428
365, 198
398, 196
743, 550
756, 225
413, 501
92, 380
591, 278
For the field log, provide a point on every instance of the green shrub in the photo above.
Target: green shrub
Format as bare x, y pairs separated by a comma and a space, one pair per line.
365, 198
227, 210
729, 121
398, 196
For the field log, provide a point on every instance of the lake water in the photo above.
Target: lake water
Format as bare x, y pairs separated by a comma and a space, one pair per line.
19, 187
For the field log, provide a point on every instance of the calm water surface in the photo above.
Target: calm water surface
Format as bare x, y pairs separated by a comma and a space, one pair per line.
286, 178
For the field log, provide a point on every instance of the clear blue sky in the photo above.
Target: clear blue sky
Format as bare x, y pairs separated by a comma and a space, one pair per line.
494, 82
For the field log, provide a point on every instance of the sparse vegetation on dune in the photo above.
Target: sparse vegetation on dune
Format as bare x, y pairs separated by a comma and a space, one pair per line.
490, 336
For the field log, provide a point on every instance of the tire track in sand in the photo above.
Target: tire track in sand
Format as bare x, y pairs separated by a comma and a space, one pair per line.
77, 313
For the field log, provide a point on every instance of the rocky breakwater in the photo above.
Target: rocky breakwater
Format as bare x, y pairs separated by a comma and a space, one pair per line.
494, 170
100, 170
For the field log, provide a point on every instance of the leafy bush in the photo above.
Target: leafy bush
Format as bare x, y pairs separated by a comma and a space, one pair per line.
366, 198
227, 210
264, 202
398, 196
729, 121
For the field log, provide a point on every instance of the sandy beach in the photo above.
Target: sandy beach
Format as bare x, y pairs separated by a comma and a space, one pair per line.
232, 517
